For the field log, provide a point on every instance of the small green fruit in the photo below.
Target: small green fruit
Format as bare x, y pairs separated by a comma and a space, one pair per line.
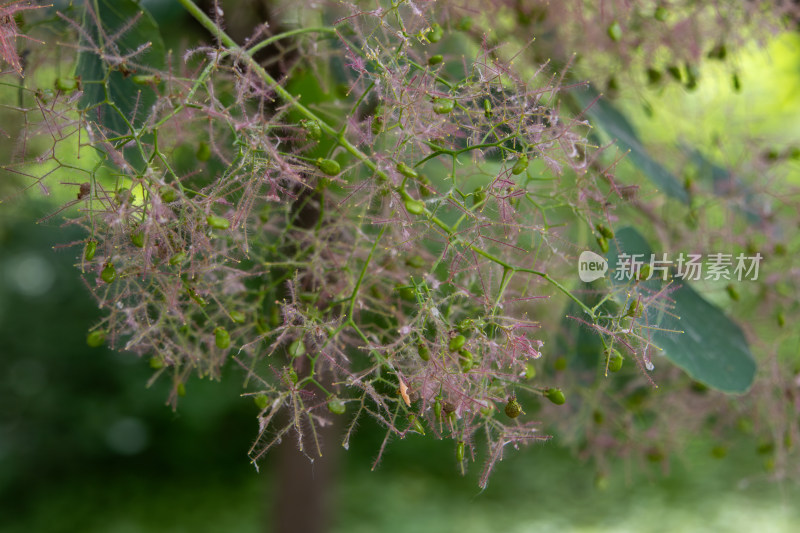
297, 348
407, 171
487, 109
156, 363
520, 166
605, 231
329, 166
732, 292
238, 317
137, 238
457, 342
415, 207
513, 408
555, 396
437, 408
109, 273
181, 389
615, 31
218, 222
203, 151
613, 360
292, 374
336, 406
146, 79
222, 338
167, 194
377, 124
435, 60
633, 309
460, 451
443, 106
177, 259
603, 244
644, 272
96, 338
466, 360
313, 129
424, 352
530, 371
436, 33
261, 401
91, 248
416, 425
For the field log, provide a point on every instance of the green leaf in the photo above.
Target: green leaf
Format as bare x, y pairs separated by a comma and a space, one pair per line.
712, 349
108, 84
616, 126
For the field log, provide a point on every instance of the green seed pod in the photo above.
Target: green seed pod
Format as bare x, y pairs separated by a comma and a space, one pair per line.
91, 248
377, 124
96, 338
261, 401
424, 186
167, 194
424, 352
292, 374
156, 363
328, 166
603, 244
556, 396
435, 60
521, 165
181, 389
313, 129
336, 406
238, 317
407, 171
109, 273
66, 85
644, 272
732, 292
415, 207
661, 14
478, 195
487, 108
222, 338
513, 408
177, 259
137, 238
457, 342
530, 371
633, 309
436, 33
613, 360
203, 151
605, 231
466, 360
460, 451
416, 425
218, 222
437, 408
145, 79
443, 106
297, 348
615, 31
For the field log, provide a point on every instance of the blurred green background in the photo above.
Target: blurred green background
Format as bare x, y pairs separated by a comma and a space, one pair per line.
86, 446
